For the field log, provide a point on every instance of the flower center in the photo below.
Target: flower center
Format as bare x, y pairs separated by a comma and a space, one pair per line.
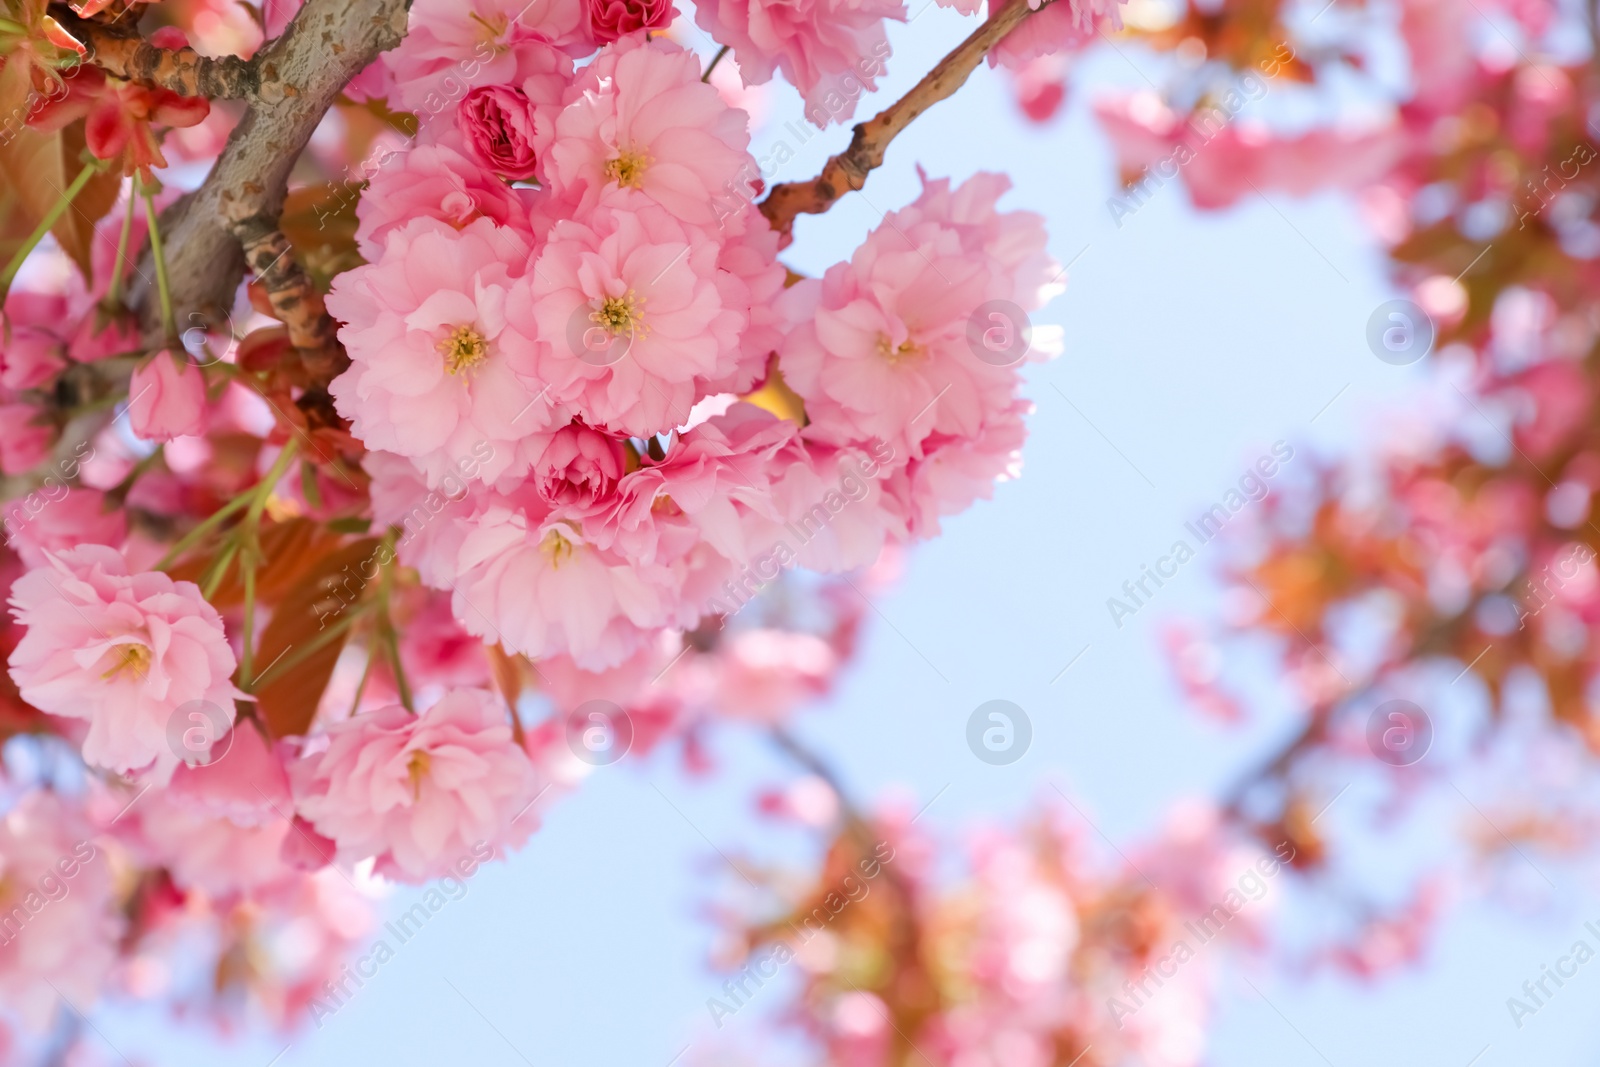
906, 349
494, 29
132, 658
555, 547
621, 314
628, 167
417, 770
463, 350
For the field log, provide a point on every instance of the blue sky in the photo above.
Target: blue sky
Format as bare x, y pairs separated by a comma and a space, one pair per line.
1193, 342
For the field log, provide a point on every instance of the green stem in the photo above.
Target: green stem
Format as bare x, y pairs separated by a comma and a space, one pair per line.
45, 224
247, 568
218, 570
168, 320
316, 644
391, 645
206, 525
114, 294
361, 686
387, 636
250, 554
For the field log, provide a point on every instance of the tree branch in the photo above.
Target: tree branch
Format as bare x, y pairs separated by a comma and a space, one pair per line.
293, 296
302, 73
847, 171
118, 50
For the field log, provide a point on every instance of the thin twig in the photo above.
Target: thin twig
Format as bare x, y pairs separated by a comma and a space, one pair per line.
847, 171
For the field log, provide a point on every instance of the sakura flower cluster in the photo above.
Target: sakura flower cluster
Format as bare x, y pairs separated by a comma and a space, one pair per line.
570, 284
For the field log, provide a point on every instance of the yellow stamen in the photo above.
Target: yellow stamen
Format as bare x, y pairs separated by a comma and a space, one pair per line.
628, 167
463, 350
494, 30
556, 547
895, 353
417, 770
621, 314
130, 657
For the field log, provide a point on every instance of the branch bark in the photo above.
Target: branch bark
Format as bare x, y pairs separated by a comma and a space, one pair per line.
118, 50
302, 73
295, 299
847, 171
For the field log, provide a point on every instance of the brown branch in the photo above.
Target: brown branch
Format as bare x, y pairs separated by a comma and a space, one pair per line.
295, 299
121, 52
302, 73
847, 171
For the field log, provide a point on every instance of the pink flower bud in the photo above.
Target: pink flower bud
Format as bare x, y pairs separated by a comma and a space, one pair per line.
167, 398
497, 123
611, 19
25, 438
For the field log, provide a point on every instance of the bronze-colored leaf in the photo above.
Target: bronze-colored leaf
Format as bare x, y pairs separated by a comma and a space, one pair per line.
290, 550
38, 167
15, 226
288, 700
320, 222
507, 672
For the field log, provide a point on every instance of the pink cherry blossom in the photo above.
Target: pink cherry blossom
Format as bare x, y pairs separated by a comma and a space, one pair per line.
124, 651
453, 45
507, 129
536, 585
578, 465
831, 50
418, 791
59, 922
595, 578
881, 348
32, 354
221, 826
955, 471
629, 314
611, 19
640, 118
59, 521
1221, 164
25, 438
749, 275
837, 515
1053, 28
436, 181
429, 519
765, 674
167, 398
497, 123
436, 372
